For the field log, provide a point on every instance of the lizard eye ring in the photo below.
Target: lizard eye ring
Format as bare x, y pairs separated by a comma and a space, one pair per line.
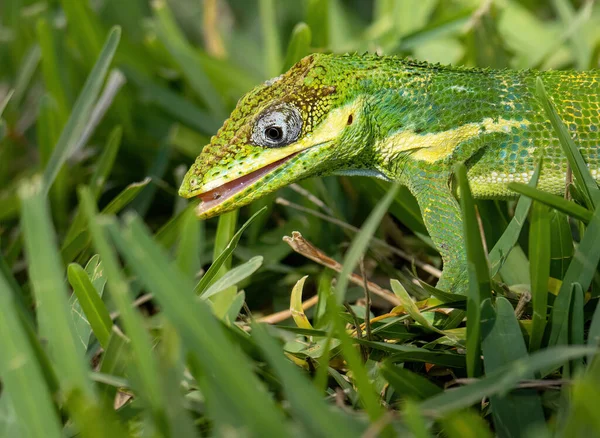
278, 126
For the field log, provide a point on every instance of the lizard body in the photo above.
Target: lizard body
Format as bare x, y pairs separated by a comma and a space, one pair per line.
405, 121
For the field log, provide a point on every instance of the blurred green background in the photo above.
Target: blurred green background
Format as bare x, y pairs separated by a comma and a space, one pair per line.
129, 134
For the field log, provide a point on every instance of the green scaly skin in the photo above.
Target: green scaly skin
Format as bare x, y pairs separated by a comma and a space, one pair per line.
404, 121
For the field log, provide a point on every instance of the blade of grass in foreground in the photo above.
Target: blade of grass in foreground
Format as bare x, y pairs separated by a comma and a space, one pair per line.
144, 366
46, 275
223, 256
56, 324
479, 273
24, 382
502, 380
248, 403
304, 398
557, 202
81, 110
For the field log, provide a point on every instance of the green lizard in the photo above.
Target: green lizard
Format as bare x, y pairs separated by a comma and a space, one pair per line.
402, 121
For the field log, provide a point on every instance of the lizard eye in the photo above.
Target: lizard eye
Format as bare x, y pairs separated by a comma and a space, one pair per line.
277, 126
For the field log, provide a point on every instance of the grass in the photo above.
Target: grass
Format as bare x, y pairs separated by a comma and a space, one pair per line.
122, 315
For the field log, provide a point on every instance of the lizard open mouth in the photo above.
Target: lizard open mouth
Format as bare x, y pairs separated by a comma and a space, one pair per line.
218, 195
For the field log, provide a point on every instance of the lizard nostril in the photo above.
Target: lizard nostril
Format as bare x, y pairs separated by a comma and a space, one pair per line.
350, 119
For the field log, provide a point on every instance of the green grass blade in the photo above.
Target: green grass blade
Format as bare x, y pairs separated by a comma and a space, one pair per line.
557, 202
317, 17
50, 69
225, 232
304, 398
115, 359
409, 384
270, 34
81, 110
223, 256
505, 244
233, 277
539, 258
247, 400
186, 58
46, 273
362, 382
465, 424
410, 307
414, 420
23, 381
80, 241
502, 380
584, 181
299, 45
479, 273
144, 363
361, 242
98, 179
91, 303
581, 270
502, 343
188, 250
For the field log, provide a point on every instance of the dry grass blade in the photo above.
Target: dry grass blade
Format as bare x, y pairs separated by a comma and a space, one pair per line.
308, 250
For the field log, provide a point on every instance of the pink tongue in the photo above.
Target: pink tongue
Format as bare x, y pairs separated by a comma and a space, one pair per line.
222, 193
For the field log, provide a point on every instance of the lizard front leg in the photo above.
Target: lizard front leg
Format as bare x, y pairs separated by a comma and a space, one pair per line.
442, 216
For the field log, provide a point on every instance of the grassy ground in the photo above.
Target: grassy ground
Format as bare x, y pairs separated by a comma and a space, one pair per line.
104, 105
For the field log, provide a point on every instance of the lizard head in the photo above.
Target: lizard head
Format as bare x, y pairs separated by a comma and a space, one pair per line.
306, 122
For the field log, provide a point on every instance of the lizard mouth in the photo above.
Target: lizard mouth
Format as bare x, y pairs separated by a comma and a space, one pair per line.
222, 193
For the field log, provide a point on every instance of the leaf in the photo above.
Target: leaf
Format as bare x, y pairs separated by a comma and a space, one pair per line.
233, 277
296, 305
91, 304
502, 343
410, 307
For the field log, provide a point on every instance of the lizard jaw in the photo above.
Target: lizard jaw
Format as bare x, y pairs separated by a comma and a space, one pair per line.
217, 196
254, 185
